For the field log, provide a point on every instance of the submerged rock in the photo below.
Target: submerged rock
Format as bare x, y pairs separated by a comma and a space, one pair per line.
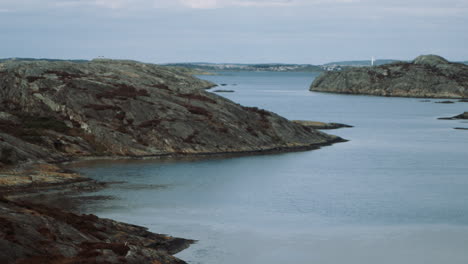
223, 91
460, 116
427, 76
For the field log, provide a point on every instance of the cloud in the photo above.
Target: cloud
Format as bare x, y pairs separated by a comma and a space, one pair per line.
108, 4
428, 11
204, 4
403, 7
200, 3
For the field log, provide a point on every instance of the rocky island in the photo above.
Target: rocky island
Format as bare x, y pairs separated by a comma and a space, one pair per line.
428, 76
55, 111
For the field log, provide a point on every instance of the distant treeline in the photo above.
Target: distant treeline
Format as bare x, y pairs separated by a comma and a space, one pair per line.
278, 67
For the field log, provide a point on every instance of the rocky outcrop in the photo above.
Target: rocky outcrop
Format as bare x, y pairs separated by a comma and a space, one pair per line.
53, 111
223, 91
58, 111
426, 76
320, 125
464, 115
33, 233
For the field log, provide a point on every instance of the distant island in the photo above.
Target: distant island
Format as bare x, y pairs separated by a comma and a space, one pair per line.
207, 68
361, 63
428, 76
249, 67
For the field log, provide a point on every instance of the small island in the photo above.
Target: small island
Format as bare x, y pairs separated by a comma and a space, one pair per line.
428, 76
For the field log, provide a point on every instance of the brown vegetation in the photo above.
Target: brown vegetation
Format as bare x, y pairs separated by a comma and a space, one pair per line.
98, 107
123, 92
198, 97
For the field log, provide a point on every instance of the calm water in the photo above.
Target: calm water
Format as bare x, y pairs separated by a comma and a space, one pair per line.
397, 192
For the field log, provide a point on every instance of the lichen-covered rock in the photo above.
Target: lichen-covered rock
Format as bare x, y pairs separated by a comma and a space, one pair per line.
427, 76
53, 111
37, 234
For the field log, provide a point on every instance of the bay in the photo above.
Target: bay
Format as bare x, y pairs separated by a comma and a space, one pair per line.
397, 192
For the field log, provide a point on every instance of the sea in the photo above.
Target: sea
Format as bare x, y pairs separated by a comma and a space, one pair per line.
396, 192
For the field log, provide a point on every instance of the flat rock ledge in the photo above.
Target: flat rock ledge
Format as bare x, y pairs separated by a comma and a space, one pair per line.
460, 116
320, 125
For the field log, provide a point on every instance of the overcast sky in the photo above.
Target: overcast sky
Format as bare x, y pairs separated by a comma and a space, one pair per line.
246, 31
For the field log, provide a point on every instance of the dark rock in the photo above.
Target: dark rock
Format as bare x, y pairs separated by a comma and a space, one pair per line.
33, 233
320, 125
461, 128
60, 111
223, 91
444, 102
427, 76
223, 84
460, 116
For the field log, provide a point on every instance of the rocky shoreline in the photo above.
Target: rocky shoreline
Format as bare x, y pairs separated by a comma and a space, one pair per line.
27, 235
33, 233
55, 112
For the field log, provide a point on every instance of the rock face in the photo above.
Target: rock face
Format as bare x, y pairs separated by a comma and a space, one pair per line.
52, 111
427, 76
31, 233
56, 111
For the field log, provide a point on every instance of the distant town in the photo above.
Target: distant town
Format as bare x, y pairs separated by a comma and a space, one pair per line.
278, 67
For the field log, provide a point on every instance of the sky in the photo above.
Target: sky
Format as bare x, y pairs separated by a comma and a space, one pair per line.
234, 31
